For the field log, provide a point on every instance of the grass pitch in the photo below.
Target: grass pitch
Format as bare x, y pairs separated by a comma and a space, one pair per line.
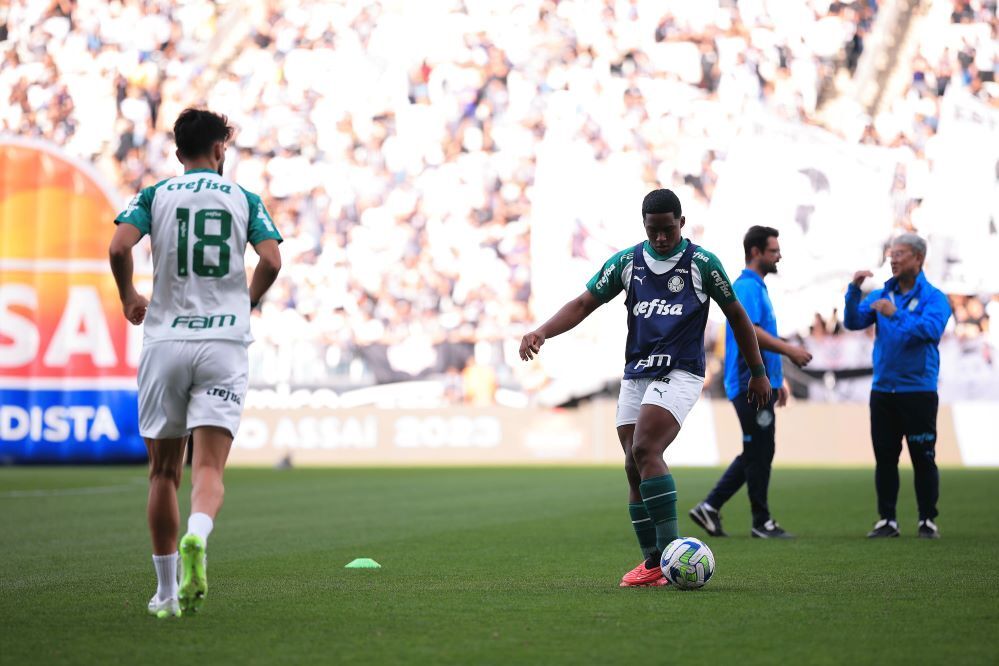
502, 566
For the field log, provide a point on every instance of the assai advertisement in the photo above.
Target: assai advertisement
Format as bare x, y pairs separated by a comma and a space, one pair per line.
67, 356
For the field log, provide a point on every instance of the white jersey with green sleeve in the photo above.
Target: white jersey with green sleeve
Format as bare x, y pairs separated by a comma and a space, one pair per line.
199, 225
707, 274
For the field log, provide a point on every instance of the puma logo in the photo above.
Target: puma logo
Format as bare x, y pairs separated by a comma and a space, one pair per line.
659, 391
639, 280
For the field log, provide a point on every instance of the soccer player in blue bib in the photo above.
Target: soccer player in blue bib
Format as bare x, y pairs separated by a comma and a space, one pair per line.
668, 281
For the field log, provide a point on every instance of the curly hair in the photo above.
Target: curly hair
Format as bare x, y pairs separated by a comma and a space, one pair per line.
661, 201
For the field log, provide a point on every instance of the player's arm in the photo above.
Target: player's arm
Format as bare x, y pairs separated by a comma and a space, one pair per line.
266, 271
265, 238
568, 317
798, 355
858, 315
607, 283
120, 254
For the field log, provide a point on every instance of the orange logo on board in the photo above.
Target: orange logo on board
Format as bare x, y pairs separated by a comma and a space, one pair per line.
59, 311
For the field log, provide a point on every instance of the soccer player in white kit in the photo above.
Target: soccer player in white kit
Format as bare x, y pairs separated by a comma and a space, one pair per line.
193, 367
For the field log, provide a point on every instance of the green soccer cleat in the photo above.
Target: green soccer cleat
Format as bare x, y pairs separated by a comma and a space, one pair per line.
193, 577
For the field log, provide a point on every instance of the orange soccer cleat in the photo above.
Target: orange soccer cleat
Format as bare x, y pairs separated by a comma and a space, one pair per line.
641, 576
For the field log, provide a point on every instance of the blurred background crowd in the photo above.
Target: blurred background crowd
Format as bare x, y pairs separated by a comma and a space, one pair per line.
433, 165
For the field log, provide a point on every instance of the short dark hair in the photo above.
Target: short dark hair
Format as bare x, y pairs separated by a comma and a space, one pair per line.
661, 201
758, 237
196, 130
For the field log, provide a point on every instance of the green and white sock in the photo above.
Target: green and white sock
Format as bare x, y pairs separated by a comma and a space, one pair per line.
645, 529
659, 495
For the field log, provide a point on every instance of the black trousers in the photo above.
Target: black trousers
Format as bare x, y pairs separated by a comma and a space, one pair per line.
913, 415
752, 466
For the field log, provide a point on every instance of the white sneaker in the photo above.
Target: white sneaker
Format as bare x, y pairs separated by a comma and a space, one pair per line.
164, 608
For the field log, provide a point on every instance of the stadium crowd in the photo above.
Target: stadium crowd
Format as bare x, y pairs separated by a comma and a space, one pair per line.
396, 144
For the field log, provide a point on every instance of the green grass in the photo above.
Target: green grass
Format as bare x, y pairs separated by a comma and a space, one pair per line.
503, 566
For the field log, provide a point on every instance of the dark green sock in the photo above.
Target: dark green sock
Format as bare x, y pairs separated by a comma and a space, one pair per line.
659, 495
645, 529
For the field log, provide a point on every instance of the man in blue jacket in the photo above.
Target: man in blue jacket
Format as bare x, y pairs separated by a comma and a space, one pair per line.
910, 315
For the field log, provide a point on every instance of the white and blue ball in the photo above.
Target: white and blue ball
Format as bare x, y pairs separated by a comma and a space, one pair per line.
688, 563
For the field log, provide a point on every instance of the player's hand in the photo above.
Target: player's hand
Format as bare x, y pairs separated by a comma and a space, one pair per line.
885, 307
782, 394
134, 308
860, 276
799, 356
530, 345
759, 392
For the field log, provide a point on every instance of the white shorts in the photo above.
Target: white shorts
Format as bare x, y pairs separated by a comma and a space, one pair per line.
187, 384
676, 393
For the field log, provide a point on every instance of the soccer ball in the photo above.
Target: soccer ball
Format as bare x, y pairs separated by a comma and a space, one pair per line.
688, 563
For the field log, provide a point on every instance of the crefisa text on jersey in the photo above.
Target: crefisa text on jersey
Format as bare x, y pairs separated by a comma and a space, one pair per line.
658, 307
197, 186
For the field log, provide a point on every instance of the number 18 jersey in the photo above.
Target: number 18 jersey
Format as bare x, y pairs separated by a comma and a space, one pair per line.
199, 225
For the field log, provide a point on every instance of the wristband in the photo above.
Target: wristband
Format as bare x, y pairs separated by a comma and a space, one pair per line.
758, 370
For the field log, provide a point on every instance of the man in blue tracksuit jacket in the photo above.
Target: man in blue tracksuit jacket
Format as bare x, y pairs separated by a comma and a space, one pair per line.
910, 315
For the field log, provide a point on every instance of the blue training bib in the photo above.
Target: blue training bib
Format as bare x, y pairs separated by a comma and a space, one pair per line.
666, 319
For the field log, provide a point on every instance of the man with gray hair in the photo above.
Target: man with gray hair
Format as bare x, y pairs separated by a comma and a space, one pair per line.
910, 315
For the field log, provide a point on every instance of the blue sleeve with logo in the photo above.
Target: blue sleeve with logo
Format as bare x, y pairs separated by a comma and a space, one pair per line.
926, 325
